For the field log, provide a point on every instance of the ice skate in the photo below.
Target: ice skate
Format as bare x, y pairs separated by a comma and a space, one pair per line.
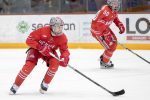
13, 89
106, 65
43, 88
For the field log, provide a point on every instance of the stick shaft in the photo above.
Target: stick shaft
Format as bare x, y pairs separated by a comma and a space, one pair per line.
133, 53
83, 75
88, 78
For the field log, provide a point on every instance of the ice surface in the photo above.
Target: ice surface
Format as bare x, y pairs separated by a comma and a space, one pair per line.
130, 73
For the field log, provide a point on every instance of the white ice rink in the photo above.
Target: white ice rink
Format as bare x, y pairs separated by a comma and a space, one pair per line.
130, 73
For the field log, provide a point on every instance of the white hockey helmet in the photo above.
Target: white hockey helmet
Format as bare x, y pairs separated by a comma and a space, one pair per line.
114, 4
56, 24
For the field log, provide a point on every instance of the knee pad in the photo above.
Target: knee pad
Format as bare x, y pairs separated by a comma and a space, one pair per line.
53, 64
113, 47
33, 55
28, 67
53, 67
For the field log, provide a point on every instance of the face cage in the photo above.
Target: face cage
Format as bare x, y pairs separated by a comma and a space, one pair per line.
57, 30
114, 7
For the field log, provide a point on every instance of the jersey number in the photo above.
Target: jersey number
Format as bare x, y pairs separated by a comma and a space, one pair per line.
106, 13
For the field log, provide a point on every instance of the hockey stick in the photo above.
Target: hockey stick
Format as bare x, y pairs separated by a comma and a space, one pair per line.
133, 52
121, 92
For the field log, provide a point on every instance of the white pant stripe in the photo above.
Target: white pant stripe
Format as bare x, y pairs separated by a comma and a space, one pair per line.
22, 76
104, 55
23, 73
104, 44
50, 73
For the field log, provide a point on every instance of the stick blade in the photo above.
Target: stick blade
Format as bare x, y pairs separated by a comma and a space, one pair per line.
121, 92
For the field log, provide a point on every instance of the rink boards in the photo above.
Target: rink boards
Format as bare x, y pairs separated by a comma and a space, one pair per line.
16, 28
80, 45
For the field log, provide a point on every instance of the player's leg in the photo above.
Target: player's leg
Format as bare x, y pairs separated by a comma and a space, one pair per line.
108, 41
105, 61
111, 45
31, 61
52, 69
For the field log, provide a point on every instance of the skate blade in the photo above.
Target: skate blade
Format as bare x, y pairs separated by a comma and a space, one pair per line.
42, 91
103, 67
11, 93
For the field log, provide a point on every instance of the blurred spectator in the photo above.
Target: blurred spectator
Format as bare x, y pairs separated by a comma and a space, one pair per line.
92, 5
148, 2
1, 6
45, 6
4, 6
38, 6
73, 6
66, 6
134, 5
100, 3
53, 6
19, 6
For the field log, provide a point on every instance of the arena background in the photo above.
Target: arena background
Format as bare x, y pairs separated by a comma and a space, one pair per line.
19, 17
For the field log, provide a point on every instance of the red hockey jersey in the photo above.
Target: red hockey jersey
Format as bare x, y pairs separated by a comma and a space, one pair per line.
42, 36
103, 20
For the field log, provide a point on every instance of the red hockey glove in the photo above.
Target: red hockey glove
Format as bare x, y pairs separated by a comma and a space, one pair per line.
44, 50
64, 61
121, 28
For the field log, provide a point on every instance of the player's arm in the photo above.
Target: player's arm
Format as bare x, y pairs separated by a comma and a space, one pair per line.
119, 24
33, 38
33, 42
100, 18
64, 50
63, 47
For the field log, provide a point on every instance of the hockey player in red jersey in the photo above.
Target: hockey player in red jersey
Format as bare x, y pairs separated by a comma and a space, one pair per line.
41, 42
101, 31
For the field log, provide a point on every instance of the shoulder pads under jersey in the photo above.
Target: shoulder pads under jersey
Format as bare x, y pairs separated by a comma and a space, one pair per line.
106, 7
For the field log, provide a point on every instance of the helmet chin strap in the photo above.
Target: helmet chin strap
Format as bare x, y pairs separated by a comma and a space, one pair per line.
114, 9
55, 34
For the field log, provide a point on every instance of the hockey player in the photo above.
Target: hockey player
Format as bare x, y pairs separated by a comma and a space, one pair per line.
41, 42
101, 31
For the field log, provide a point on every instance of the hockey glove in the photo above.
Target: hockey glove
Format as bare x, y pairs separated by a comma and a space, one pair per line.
121, 28
44, 50
64, 61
